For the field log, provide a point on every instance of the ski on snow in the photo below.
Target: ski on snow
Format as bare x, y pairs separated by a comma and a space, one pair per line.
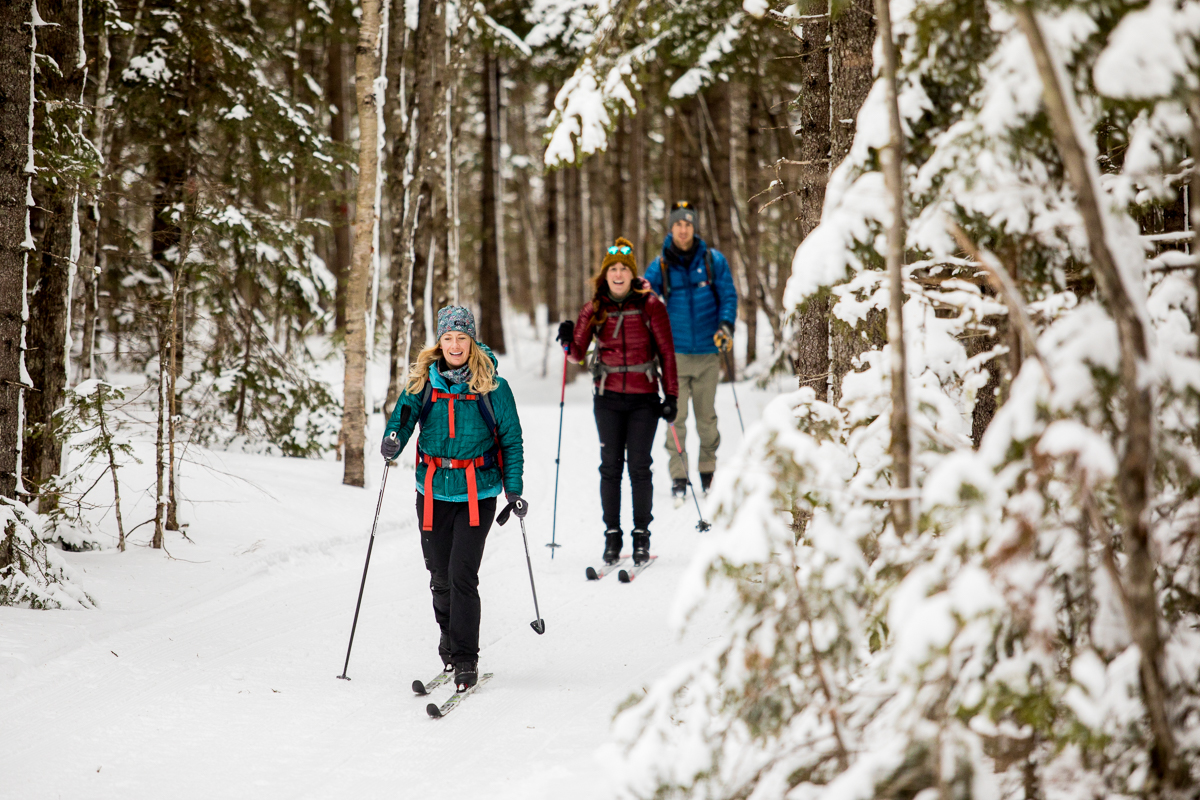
425, 688
596, 573
627, 575
437, 712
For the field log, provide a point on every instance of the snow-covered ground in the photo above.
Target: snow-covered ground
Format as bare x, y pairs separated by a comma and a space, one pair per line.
208, 671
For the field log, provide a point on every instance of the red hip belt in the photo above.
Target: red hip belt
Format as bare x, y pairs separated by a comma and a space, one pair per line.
433, 463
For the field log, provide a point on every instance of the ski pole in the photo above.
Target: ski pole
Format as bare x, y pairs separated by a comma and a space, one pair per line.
539, 624
701, 525
732, 385
562, 398
370, 544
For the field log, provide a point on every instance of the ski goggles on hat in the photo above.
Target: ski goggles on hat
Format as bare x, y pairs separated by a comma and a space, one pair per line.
622, 249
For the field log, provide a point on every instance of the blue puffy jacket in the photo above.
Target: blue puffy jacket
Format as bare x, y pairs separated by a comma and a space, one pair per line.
693, 308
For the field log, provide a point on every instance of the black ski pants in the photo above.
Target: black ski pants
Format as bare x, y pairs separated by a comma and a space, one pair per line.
626, 424
453, 551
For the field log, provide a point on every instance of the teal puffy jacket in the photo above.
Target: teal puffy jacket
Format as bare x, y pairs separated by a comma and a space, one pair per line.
471, 438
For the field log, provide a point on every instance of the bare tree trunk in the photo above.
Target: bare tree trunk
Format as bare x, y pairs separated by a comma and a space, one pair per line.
17, 43
339, 125
90, 258
812, 323
49, 325
852, 38
102, 390
354, 419
160, 440
740, 126
893, 171
491, 328
399, 108
552, 266
1137, 458
754, 271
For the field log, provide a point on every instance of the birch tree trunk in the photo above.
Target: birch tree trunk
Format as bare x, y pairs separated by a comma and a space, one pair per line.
893, 171
16, 116
354, 415
1137, 456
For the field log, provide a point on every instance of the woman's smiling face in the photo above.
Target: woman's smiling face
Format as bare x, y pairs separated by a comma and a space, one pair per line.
456, 346
619, 277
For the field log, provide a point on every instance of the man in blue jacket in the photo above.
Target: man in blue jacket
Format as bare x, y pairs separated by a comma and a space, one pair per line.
695, 283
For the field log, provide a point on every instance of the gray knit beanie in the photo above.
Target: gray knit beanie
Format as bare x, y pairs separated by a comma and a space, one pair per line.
682, 210
456, 318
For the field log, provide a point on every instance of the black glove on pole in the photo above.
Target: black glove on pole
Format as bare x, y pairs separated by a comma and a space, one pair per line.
669, 409
370, 545
519, 507
702, 525
566, 333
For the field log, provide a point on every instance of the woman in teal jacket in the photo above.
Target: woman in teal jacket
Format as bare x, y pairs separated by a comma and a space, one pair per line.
468, 452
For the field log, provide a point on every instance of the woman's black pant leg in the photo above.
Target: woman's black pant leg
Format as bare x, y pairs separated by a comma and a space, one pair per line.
640, 430
611, 424
453, 551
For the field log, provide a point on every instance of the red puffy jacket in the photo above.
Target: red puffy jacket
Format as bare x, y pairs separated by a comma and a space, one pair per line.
637, 329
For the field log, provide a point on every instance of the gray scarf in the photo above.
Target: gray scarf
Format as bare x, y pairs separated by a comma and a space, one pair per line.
456, 375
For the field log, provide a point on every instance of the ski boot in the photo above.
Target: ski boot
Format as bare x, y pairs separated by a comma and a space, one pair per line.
679, 491
641, 546
444, 652
612, 546
466, 675
705, 482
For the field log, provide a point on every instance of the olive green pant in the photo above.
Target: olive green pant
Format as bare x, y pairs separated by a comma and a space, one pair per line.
698, 379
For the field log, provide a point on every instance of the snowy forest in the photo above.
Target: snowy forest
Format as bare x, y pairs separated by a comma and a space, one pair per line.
955, 552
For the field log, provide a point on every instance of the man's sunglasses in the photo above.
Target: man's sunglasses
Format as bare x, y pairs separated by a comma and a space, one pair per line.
623, 250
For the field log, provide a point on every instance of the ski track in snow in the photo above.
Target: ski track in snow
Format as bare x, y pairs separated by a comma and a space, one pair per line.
214, 676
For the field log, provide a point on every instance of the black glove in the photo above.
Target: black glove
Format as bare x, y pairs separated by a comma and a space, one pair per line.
723, 338
566, 333
390, 447
516, 505
669, 408
520, 506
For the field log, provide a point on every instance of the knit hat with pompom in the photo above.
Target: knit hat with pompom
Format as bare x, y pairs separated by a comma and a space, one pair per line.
621, 252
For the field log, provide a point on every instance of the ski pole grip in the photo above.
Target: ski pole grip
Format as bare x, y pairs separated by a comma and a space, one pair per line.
502, 517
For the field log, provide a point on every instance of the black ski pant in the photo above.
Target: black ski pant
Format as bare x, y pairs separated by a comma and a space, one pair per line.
453, 551
626, 424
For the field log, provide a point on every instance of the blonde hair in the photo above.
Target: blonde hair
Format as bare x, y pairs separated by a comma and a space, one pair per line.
483, 371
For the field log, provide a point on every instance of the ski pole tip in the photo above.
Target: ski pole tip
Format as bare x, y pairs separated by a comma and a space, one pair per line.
539, 626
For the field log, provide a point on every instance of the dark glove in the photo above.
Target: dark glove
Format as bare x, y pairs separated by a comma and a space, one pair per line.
520, 506
516, 505
723, 338
669, 408
390, 447
566, 333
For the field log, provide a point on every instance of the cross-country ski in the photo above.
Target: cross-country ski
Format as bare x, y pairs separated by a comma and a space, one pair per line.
596, 573
437, 712
628, 575
420, 688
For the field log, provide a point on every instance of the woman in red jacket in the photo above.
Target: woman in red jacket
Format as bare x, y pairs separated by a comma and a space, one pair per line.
633, 342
